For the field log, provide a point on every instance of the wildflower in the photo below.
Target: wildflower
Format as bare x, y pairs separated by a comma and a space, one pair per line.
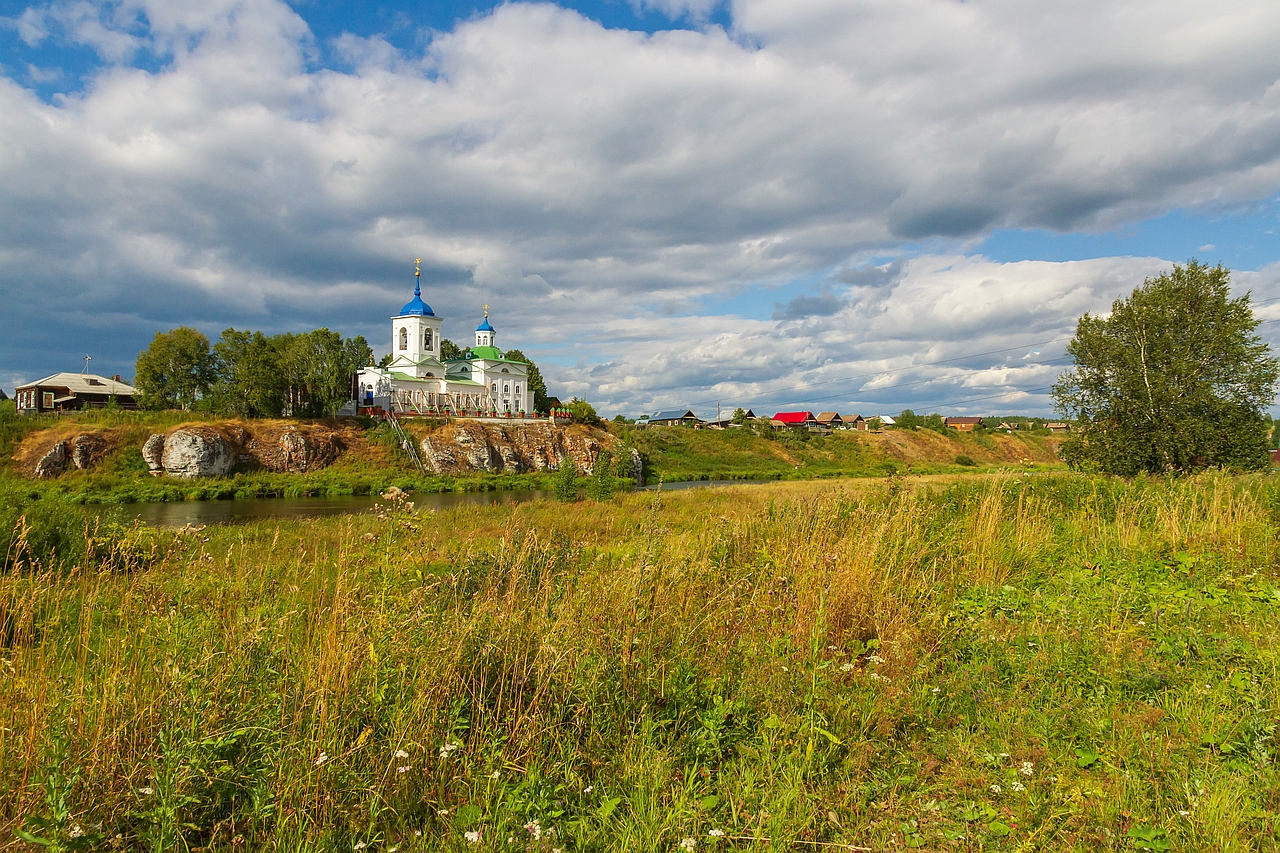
404, 769
876, 659
495, 774
442, 812
360, 845
417, 833
473, 837
448, 748
588, 789
534, 828
400, 753
1027, 768
76, 831
995, 789
846, 667
322, 759
1018, 786
1183, 812
936, 691
1004, 755
875, 676
716, 833
146, 792
688, 844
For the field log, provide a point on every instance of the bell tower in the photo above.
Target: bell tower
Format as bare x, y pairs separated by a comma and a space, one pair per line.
415, 334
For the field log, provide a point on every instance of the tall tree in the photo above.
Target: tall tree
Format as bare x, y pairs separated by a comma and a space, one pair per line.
449, 350
1174, 379
175, 370
536, 383
249, 382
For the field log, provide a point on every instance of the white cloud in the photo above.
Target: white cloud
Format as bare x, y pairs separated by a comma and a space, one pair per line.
597, 186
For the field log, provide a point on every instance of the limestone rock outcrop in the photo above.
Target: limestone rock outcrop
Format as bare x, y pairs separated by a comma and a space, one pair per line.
53, 463
197, 452
295, 450
153, 453
87, 450
468, 446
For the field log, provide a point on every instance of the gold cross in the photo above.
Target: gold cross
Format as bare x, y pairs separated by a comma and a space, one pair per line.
486, 311
417, 267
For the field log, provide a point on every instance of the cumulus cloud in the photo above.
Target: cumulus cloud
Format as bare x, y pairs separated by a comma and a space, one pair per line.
594, 185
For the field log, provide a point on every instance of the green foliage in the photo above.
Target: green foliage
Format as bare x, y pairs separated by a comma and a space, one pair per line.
583, 412
966, 461
175, 371
302, 375
739, 417
535, 381
565, 484
1175, 379
603, 483
448, 351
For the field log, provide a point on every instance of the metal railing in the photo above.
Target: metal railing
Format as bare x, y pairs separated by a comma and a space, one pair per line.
406, 442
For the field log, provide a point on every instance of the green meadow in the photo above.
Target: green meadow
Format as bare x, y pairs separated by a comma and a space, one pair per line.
1002, 662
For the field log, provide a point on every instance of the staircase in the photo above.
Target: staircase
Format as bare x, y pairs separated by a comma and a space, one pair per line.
406, 443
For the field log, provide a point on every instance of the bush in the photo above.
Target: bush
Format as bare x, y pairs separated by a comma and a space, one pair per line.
602, 484
565, 485
966, 461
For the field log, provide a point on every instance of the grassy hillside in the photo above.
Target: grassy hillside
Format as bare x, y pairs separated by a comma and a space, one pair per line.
678, 453
1043, 662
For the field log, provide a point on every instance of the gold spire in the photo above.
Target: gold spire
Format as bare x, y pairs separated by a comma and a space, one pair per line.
417, 267
486, 310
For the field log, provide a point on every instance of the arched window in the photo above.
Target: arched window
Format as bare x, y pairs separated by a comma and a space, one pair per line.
404, 338
426, 339
517, 390
506, 389
495, 387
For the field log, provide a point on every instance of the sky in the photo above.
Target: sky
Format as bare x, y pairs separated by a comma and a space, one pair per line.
838, 205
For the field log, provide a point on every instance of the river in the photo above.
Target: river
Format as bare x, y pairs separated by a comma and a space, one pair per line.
181, 513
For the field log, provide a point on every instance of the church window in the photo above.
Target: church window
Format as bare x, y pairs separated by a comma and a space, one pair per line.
506, 389
517, 390
495, 387
404, 338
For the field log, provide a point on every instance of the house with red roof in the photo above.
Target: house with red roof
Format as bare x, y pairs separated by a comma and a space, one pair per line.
795, 419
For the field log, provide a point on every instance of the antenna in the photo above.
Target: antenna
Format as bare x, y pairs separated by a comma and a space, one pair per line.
87, 359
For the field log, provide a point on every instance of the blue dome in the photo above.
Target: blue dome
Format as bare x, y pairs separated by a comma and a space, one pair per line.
484, 327
416, 307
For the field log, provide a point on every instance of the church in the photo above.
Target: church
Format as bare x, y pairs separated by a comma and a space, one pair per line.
418, 382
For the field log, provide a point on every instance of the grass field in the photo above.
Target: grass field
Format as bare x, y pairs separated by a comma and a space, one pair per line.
1035, 662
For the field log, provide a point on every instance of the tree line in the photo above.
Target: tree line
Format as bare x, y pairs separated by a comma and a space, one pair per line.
249, 374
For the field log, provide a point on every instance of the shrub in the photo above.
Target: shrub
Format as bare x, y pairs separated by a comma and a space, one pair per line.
602, 484
966, 461
565, 485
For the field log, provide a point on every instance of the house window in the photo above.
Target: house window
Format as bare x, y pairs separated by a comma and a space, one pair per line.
404, 338
426, 339
48, 399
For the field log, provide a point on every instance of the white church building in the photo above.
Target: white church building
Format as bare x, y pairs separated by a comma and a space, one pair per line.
416, 381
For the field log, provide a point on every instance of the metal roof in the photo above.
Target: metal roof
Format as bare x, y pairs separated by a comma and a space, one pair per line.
672, 415
84, 383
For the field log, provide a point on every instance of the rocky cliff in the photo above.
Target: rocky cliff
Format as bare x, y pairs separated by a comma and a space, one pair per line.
467, 446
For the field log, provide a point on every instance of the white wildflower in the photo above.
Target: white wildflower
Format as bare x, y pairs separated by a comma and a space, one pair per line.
876, 659
846, 667
417, 833
1018, 786
448, 748
473, 837
360, 845
146, 792
404, 769
936, 691
875, 676
995, 789
716, 833
1183, 812
534, 828
688, 844
76, 831
324, 756
400, 753
588, 789
497, 774
1027, 768
442, 812
1004, 755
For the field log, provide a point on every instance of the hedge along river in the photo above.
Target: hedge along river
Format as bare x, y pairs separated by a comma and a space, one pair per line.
182, 513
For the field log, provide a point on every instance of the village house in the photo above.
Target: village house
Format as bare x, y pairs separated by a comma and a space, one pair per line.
965, 424
831, 420
854, 422
798, 420
68, 392
674, 417
1058, 427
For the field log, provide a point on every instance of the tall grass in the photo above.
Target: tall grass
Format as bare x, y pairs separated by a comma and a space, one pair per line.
1055, 663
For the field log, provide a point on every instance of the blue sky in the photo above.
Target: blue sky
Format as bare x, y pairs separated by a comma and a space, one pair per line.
862, 206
